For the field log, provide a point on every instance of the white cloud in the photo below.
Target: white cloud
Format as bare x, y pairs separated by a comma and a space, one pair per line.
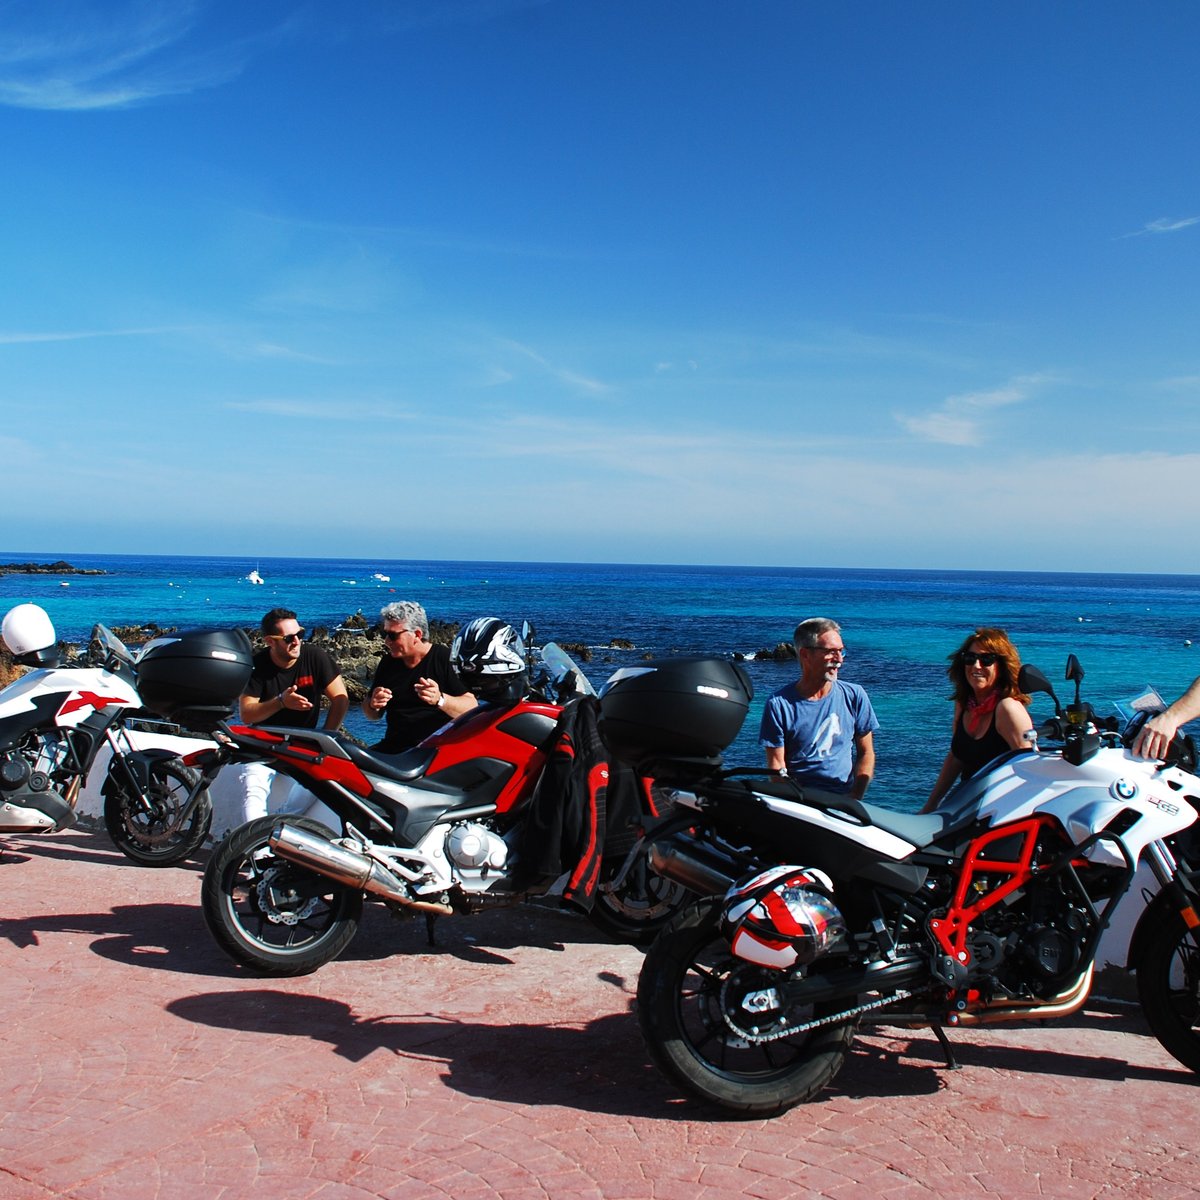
79, 55
1164, 225
572, 379
345, 412
960, 419
25, 339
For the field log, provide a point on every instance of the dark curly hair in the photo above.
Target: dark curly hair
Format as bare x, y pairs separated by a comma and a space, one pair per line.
1008, 665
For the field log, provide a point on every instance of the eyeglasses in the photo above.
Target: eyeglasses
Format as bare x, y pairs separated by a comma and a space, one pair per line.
827, 651
298, 636
984, 660
394, 635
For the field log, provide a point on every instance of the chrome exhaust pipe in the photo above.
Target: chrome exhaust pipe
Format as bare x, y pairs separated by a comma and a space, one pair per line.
698, 869
347, 867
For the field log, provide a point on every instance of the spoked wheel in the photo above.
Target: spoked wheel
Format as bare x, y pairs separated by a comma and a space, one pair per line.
269, 914
715, 1025
162, 834
1168, 978
637, 908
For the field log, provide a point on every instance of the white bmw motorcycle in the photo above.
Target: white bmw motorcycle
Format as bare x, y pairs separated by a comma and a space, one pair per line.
820, 912
55, 720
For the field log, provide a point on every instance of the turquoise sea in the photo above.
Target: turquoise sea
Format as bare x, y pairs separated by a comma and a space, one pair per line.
1127, 630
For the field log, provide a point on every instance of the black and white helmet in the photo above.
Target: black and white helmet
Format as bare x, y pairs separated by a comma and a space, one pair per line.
489, 656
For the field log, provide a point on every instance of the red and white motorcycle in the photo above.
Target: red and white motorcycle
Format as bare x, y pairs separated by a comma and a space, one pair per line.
436, 830
54, 722
820, 912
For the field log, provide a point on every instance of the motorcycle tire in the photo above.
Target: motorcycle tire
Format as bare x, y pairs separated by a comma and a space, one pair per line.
161, 836
639, 908
1168, 980
271, 915
688, 1003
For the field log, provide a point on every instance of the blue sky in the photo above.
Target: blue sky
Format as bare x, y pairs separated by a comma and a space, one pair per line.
869, 284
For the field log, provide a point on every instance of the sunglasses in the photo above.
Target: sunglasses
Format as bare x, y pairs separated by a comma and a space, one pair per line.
394, 635
298, 636
984, 660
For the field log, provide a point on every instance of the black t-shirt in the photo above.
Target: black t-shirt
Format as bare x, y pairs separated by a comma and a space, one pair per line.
409, 719
311, 674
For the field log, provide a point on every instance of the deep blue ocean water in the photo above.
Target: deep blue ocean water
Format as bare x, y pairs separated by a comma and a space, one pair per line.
899, 626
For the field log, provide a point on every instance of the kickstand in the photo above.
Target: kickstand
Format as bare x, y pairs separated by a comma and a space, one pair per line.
952, 1063
430, 922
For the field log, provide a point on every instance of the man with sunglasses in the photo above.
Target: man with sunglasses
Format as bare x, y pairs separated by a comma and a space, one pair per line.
415, 686
288, 682
820, 730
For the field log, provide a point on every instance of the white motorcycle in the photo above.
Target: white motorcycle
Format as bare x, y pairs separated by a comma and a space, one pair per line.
820, 912
55, 720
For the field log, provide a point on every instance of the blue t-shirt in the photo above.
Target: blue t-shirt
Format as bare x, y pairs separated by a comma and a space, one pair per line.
817, 736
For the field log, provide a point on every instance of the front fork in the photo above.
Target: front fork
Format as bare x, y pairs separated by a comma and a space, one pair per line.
1177, 884
130, 769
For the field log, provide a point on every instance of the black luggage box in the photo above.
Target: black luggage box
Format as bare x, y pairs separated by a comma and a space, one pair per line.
202, 668
674, 708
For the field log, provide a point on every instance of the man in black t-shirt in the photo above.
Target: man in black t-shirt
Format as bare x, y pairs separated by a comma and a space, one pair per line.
414, 684
288, 682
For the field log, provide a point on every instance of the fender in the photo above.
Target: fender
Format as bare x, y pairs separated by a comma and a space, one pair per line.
138, 765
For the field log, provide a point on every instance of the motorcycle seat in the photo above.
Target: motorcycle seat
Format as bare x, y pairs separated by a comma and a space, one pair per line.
403, 767
918, 828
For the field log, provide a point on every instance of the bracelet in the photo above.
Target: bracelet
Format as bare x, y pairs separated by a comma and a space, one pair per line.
441, 703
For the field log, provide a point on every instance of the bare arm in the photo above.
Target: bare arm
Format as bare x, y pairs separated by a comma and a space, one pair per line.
1155, 736
255, 710
864, 764
775, 760
1012, 721
951, 769
339, 702
453, 706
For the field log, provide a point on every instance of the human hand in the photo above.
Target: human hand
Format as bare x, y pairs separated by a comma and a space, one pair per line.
429, 691
1155, 736
380, 697
290, 698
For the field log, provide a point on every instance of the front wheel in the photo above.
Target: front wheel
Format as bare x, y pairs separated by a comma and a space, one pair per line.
1168, 979
718, 1028
269, 914
167, 831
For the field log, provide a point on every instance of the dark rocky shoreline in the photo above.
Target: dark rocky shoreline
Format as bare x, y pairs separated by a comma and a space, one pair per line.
357, 646
55, 568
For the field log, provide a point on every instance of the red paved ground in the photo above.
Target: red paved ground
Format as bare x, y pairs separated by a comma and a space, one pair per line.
138, 1062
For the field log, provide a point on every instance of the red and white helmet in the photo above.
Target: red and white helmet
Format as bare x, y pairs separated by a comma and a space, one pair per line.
782, 918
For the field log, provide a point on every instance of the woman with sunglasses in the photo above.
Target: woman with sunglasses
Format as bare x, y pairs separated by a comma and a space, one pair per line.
990, 713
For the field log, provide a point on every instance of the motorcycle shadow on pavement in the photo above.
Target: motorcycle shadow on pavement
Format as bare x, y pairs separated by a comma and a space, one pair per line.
891, 1062
480, 938
598, 1067
163, 937
85, 846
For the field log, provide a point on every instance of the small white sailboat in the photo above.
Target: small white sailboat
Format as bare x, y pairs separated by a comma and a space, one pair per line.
255, 577
382, 578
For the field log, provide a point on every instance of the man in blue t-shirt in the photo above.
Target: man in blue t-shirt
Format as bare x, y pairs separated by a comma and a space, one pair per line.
819, 729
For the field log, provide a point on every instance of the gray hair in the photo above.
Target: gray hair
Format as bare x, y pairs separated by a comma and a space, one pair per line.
407, 613
809, 632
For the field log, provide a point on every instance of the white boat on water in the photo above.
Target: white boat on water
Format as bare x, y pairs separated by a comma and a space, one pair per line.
255, 577
382, 578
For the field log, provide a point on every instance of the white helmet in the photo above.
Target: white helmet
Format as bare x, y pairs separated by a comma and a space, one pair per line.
28, 633
489, 657
782, 917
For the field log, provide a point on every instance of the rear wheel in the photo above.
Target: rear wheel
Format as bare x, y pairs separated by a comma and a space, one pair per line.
715, 1025
161, 834
269, 914
1168, 979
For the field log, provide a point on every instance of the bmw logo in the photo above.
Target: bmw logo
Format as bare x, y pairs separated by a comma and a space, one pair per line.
1124, 789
